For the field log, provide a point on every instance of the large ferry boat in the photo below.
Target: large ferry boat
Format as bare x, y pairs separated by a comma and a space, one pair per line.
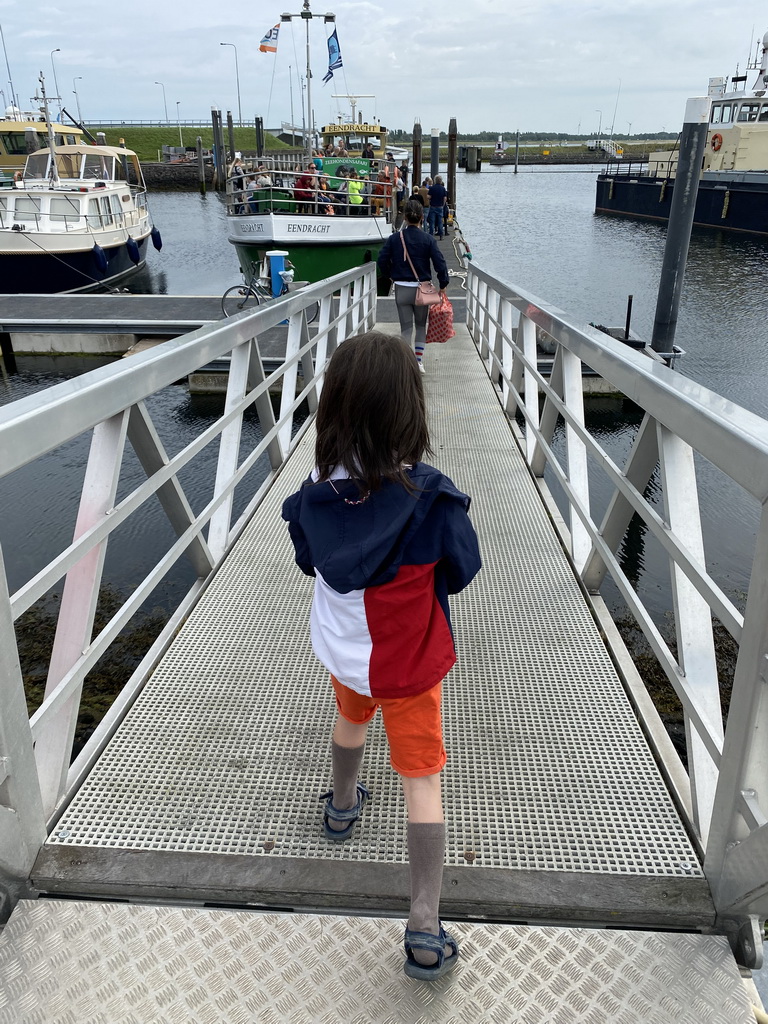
328, 212
733, 190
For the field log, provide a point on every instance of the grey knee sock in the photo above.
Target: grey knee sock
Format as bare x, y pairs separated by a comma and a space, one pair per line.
426, 853
346, 764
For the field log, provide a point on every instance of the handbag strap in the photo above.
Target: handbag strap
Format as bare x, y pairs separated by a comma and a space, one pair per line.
405, 253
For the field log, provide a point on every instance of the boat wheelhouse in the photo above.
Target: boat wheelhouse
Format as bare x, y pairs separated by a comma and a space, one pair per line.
733, 189
22, 133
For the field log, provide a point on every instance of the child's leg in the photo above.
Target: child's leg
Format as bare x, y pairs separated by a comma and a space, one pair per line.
426, 854
347, 747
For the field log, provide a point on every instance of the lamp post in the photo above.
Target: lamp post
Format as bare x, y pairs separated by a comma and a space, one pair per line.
629, 128
165, 105
74, 89
600, 125
55, 83
306, 15
178, 122
237, 79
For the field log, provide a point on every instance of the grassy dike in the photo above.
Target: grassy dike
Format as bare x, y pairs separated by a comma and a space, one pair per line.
147, 141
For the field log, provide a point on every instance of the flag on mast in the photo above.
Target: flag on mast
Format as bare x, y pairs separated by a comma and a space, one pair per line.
269, 43
334, 55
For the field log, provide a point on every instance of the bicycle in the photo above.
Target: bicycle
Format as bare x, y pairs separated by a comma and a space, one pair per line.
258, 288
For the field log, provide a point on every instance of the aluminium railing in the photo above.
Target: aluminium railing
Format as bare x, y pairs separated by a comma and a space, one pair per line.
36, 777
727, 782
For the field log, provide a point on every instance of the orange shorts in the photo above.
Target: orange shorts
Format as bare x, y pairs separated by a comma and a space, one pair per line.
413, 726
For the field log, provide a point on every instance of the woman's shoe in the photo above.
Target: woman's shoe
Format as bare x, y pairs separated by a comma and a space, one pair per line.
422, 368
429, 943
350, 814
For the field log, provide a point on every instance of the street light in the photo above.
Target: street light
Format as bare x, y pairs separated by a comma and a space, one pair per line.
178, 122
600, 125
629, 128
165, 105
74, 88
237, 77
55, 83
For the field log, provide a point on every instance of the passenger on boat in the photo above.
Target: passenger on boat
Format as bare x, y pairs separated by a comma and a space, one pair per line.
393, 263
437, 197
329, 149
368, 152
261, 181
381, 192
237, 176
317, 160
342, 192
404, 172
304, 193
341, 149
355, 187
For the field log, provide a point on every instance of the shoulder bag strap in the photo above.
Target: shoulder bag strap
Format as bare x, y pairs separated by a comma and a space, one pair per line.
405, 253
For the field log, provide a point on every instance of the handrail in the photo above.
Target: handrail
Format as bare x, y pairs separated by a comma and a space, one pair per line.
727, 792
109, 403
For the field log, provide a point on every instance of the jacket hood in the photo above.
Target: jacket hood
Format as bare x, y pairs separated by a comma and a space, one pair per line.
355, 544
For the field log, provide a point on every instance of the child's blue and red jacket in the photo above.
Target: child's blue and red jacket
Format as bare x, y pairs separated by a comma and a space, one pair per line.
383, 569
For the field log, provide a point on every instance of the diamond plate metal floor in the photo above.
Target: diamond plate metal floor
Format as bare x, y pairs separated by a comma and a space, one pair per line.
88, 963
556, 810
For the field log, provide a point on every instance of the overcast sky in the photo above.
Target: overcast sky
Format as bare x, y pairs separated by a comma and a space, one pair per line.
492, 64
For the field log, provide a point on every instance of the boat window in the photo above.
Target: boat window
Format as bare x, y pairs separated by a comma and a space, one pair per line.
37, 165
117, 207
106, 210
726, 113
3, 211
95, 167
14, 143
763, 113
715, 119
64, 208
748, 112
94, 217
68, 165
26, 208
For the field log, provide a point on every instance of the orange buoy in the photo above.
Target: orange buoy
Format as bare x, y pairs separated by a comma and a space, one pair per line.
717, 141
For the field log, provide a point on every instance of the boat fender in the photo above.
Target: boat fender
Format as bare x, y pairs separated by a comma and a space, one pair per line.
133, 249
717, 141
156, 239
100, 259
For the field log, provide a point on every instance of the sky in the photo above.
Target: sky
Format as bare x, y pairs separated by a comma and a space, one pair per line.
494, 65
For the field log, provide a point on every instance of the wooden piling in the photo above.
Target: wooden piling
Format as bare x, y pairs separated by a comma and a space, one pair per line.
200, 164
452, 157
416, 156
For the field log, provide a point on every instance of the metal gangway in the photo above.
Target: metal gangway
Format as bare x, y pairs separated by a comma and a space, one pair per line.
174, 870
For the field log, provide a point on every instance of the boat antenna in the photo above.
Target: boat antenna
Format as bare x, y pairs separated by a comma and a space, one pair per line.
14, 101
53, 173
306, 15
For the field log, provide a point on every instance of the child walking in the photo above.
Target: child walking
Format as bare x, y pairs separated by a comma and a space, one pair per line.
387, 538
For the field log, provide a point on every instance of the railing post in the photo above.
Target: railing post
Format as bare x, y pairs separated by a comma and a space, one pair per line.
507, 356
576, 456
693, 619
229, 449
737, 851
22, 822
78, 605
528, 330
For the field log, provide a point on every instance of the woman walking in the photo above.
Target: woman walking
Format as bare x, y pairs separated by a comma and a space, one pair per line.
407, 257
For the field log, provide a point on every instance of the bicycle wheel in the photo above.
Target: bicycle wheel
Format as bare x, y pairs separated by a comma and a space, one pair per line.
236, 299
312, 312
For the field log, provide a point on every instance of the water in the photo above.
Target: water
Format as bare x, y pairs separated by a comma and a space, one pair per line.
537, 230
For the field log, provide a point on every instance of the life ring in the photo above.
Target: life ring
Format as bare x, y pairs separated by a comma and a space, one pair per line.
717, 141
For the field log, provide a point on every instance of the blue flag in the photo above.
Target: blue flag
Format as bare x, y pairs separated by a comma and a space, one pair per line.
334, 55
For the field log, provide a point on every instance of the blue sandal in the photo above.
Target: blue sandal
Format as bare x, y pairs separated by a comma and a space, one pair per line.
350, 814
429, 943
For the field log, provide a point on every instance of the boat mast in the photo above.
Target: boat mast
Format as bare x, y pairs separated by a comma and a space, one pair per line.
306, 15
53, 173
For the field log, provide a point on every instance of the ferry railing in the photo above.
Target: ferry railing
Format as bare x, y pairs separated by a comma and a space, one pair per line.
36, 776
725, 791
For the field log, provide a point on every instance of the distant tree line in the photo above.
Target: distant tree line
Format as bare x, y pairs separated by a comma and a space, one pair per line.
400, 135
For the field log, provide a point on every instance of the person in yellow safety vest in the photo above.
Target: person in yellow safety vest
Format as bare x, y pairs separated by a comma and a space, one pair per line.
355, 193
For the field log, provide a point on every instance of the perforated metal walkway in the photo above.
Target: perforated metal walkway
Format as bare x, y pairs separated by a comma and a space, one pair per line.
557, 814
556, 810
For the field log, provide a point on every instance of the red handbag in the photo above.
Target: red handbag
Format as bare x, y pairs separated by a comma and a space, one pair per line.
440, 322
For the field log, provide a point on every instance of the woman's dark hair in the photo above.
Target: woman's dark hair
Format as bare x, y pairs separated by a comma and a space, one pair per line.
413, 211
372, 416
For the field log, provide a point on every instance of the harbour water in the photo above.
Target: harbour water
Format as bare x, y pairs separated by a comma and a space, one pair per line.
535, 229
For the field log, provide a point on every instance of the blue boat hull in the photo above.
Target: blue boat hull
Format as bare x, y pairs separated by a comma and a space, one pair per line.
43, 273
733, 204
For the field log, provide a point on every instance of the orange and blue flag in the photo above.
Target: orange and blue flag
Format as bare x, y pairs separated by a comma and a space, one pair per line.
269, 43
